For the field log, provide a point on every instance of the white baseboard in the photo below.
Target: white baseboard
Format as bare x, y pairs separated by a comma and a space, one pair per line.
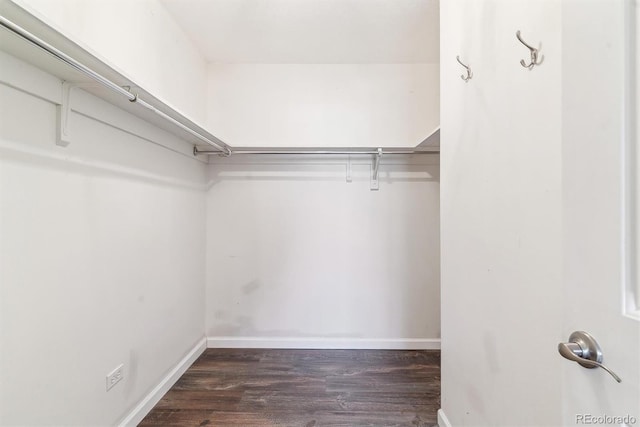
149, 401
325, 343
443, 421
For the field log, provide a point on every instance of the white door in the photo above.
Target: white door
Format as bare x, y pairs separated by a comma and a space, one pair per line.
601, 294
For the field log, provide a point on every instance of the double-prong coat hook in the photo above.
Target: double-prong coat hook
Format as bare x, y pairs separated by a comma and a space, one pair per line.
469, 73
534, 54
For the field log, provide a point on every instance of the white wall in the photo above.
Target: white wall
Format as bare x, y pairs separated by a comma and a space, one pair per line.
101, 257
501, 215
298, 257
139, 38
323, 104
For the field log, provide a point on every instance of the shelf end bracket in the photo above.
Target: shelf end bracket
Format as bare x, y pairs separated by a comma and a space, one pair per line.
375, 184
62, 116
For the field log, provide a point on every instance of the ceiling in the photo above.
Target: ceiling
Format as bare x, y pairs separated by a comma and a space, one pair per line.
311, 31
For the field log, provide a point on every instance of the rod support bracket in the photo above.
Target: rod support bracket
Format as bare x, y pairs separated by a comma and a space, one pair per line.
375, 165
62, 115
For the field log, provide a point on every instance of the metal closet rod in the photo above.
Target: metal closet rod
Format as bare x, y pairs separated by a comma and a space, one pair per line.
294, 151
21, 32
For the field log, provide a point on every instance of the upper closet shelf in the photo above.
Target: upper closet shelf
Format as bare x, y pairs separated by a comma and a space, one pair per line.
26, 37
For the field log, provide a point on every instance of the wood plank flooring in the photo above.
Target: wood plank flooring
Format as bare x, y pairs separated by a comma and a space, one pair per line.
242, 387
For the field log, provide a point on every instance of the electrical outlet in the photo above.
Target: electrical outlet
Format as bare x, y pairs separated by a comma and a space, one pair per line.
115, 376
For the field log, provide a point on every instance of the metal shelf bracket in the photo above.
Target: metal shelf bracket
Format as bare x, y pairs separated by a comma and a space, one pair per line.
375, 185
62, 115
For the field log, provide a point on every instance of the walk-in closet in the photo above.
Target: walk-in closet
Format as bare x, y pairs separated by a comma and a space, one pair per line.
319, 213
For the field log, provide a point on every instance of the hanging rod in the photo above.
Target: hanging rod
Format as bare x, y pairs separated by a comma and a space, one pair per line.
21, 32
322, 151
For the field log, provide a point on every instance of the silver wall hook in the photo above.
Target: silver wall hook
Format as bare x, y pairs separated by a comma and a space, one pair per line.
534, 54
469, 73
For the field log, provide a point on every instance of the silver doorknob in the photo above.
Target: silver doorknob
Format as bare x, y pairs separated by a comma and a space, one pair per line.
584, 349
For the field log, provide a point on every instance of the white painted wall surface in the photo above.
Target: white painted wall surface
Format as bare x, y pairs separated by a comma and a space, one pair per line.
501, 215
333, 105
101, 257
298, 257
312, 32
140, 39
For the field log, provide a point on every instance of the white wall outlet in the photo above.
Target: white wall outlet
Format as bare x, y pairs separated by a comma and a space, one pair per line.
115, 376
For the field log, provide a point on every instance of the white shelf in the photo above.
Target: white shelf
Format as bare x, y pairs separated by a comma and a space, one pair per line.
26, 51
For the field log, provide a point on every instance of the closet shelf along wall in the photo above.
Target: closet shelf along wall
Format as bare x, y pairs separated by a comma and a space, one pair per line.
28, 38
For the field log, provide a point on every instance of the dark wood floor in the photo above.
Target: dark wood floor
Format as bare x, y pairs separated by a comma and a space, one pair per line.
226, 387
